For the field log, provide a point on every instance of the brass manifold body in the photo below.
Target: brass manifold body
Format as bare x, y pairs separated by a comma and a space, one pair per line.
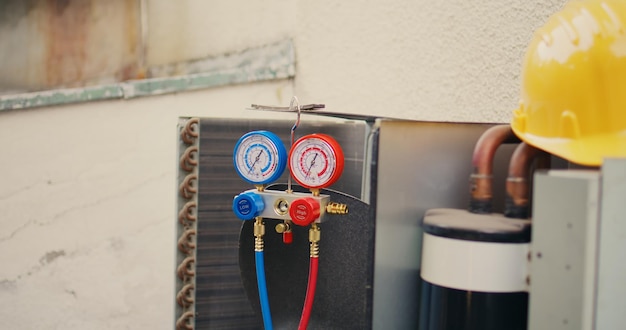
277, 204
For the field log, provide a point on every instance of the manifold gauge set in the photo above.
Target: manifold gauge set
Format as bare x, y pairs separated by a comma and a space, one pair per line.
315, 162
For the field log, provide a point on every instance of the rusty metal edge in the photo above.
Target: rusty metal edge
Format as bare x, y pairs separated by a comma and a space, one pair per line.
270, 62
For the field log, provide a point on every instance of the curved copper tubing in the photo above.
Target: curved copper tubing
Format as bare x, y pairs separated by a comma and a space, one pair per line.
183, 322
518, 180
184, 242
184, 270
187, 161
184, 297
186, 213
190, 131
186, 189
482, 159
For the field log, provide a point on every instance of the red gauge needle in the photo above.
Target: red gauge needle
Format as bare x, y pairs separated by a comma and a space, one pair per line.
311, 166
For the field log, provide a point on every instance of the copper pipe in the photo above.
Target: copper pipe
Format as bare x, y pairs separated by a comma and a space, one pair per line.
185, 244
186, 188
190, 131
484, 152
187, 160
184, 321
186, 214
185, 269
518, 180
184, 297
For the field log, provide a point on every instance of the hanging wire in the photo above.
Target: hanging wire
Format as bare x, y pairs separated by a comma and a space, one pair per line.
304, 107
294, 99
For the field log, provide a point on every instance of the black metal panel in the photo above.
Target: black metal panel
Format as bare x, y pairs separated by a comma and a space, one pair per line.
220, 298
446, 309
343, 298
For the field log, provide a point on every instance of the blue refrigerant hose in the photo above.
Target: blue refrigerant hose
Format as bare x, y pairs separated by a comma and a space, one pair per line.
263, 298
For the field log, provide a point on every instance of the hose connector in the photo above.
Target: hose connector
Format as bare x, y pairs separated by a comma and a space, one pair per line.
259, 232
314, 238
480, 193
259, 227
336, 208
258, 244
516, 201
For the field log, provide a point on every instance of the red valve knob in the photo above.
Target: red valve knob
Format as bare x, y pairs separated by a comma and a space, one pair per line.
304, 211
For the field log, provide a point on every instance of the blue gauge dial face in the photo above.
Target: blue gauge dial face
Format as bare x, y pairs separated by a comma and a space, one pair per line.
260, 157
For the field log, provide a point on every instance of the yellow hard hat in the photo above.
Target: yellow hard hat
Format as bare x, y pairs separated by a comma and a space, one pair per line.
573, 97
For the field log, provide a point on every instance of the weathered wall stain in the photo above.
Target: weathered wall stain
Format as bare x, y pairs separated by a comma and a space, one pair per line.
60, 6
133, 41
11, 11
68, 43
50, 256
65, 30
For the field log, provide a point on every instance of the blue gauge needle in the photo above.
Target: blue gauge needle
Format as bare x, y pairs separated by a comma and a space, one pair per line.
255, 161
311, 166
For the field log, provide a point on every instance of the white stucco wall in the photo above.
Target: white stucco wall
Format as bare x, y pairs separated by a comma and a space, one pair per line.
87, 191
88, 220
428, 60
443, 61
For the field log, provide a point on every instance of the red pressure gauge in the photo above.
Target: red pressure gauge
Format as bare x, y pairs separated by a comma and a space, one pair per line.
316, 161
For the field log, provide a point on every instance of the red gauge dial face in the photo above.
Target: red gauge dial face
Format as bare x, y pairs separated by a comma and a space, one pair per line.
316, 161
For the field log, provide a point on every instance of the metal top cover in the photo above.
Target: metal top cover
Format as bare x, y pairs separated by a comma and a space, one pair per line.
464, 225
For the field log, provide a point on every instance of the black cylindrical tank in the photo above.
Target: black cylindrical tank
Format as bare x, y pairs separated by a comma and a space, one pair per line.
474, 271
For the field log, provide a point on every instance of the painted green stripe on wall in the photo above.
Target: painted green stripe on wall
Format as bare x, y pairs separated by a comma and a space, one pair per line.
276, 61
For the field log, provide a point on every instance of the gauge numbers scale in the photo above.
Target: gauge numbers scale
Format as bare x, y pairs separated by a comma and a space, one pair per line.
316, 161
260, 157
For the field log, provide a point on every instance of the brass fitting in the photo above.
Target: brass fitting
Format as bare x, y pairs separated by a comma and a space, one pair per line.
259, 227
283, 227
314, 251
517, 188
314, 233
316, 192
281, 206
336, 208
480, 186
258, 244
314, 238
259, 231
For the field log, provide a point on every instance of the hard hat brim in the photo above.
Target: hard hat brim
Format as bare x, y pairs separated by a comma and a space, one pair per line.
588, 151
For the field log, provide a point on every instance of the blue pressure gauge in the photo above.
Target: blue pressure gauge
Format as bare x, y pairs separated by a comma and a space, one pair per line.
260, 157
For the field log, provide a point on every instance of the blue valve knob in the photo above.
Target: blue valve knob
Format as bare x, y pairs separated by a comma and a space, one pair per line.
248, 205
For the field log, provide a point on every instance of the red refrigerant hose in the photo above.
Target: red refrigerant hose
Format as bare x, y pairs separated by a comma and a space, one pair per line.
314, 238
310, 294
